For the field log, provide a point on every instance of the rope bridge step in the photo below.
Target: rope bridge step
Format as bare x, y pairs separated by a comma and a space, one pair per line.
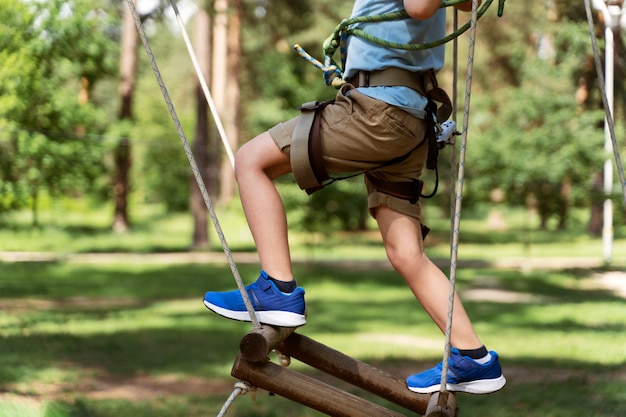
252, 366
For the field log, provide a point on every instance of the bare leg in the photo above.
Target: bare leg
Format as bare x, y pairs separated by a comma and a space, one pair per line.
257, 163
405, 249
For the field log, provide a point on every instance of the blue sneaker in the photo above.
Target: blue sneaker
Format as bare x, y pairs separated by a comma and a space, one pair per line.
270, 304
464, 375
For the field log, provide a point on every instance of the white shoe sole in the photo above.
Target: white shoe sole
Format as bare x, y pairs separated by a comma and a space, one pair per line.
274, 318
484, 386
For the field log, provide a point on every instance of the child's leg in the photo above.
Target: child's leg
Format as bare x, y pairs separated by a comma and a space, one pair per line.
403, 242
257, 163
471, 367
274, 296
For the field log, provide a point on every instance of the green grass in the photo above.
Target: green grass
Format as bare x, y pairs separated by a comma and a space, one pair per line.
74, 334
66, 323
84, 227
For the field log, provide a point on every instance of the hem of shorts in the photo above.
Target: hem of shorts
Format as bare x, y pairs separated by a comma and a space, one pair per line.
280, 136
379, 199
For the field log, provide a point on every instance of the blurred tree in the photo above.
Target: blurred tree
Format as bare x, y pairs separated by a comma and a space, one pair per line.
275, 81
232, 96
588, 96
122, 153
204, 153
534, 142
43, 109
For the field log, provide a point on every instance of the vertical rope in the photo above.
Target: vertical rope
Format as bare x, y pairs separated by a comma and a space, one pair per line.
192, 162
455, 78
203, 85
605, 101
459, 196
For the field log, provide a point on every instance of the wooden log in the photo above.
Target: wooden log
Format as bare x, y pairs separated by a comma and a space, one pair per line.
353, 371
306, 390
258, 343
442, 404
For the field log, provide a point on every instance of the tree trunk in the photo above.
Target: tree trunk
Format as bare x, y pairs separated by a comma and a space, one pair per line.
219, 78
231, 108
596, 216
83, 99
563, 203
122, 153
202, 37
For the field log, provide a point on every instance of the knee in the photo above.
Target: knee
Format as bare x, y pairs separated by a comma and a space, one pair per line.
246, 162
405, 258
260, 157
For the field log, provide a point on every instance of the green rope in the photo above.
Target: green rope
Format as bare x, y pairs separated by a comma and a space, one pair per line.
333, 74
333, 42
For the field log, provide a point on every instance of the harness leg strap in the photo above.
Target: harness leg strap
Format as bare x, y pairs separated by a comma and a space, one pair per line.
306, 155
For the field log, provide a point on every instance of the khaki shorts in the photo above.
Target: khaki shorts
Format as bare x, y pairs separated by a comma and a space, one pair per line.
360, 134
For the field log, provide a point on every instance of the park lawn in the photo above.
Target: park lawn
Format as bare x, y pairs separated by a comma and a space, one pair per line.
125, 333
133, 339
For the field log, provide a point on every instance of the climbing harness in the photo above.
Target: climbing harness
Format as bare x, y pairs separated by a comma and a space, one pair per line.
307, 161
306, 155
306, 150
605, 101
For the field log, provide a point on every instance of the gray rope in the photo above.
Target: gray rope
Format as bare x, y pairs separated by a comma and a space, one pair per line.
192, 163
605, 100
241, 388
459, 196
455, 77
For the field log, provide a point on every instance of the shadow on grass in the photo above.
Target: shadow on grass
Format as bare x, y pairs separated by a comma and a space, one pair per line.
532, 390
148, 319
193, 351
59, 280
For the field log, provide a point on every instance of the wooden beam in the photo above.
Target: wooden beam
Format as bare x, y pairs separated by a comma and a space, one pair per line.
258, 343
442, 404
306, 390
353, 371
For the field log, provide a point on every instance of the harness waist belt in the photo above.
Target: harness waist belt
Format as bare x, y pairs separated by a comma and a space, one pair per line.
306, 155
425, 83
390, 77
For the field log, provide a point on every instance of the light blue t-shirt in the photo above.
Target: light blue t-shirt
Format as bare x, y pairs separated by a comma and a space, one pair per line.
364, 55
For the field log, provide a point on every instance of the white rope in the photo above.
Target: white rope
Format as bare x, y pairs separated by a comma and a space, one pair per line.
241, 388
459, 196
605, 101
203, 84
192, 163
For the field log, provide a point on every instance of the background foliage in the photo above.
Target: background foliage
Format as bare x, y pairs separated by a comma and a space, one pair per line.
529, 138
